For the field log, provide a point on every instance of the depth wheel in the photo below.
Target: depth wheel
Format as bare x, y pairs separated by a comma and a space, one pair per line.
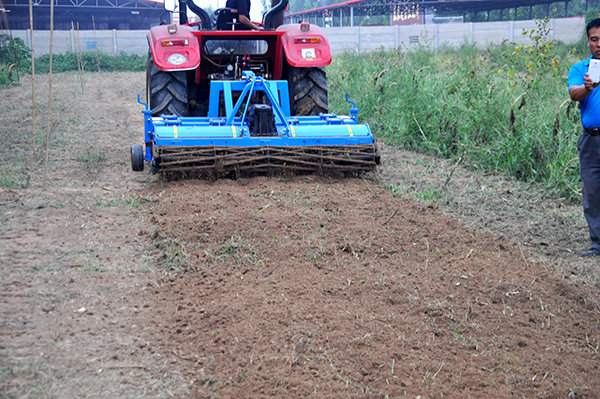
308, 91
166, 91
137, 158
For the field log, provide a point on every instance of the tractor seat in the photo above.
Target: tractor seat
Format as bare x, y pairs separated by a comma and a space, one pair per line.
223, 19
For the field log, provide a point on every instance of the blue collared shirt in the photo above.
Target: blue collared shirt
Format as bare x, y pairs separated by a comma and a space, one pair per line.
590, 106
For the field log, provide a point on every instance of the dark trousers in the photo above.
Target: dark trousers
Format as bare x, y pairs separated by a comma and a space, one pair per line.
589, 168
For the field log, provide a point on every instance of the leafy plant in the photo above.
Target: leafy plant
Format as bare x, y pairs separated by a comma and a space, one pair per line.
538, 57
15, 58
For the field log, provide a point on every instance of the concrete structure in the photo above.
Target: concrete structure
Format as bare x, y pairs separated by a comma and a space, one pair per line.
356, 39
481, 34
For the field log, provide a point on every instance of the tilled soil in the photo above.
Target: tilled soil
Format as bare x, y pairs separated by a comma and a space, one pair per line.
336, 288
115, 284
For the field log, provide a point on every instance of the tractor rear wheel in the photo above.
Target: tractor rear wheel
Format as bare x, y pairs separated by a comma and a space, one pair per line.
308, 91
167, 91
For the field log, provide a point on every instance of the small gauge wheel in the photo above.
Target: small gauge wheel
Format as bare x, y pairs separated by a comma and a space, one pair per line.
137, 158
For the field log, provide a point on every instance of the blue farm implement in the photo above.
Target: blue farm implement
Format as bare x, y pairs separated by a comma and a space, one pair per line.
254, 137
223, 100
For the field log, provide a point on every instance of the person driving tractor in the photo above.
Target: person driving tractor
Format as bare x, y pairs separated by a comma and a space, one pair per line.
236, 16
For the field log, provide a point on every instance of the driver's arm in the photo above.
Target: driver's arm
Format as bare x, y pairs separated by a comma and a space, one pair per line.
579, 93
245, 21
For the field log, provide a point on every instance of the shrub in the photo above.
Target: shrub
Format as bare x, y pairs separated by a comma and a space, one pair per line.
15, 58
91, 61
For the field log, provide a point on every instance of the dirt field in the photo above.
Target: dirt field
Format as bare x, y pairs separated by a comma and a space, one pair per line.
115, 284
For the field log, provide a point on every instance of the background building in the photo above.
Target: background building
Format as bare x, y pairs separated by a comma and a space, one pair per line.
104, 14
414, 12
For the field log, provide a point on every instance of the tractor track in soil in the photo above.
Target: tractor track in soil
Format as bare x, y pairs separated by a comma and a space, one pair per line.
115, 284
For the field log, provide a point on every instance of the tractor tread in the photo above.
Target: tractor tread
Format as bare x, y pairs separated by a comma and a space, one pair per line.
167, 91
308, 91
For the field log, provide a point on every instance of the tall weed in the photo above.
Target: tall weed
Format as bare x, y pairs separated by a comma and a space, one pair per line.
504, 108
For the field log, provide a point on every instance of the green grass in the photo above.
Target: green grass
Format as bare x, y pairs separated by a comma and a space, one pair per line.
106, 204
503, 108
429, 195
91, 158
10, 182
134, 202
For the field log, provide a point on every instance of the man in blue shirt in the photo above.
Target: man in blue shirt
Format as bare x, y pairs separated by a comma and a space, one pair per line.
586, 91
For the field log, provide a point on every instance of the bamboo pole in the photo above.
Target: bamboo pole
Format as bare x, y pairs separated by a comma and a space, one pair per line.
80, 59
76, 40
49, 93
33, 141
96, 41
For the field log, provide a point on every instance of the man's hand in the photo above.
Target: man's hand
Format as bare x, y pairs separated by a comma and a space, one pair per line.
588, 82
579, 93
245, 21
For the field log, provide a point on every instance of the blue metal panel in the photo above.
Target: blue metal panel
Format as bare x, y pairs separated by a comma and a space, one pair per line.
227, 87
233, 130
203, 133
248, 141
326, 129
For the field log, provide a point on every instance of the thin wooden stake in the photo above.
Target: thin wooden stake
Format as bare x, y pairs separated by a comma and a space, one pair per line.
33, 141
76, 39
96, 41
49, 93
80, 59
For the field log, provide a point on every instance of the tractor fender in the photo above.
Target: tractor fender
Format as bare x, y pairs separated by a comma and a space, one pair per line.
179, 51
305, 49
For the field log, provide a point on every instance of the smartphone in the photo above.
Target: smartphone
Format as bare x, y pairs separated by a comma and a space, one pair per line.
594, 70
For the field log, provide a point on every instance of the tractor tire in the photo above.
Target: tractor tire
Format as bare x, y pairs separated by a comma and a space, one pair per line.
167, 92
308, 91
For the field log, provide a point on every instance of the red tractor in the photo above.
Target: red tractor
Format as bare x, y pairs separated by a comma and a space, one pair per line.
185, 58
199, 78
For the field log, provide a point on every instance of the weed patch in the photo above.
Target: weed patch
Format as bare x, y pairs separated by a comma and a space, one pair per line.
503, 108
